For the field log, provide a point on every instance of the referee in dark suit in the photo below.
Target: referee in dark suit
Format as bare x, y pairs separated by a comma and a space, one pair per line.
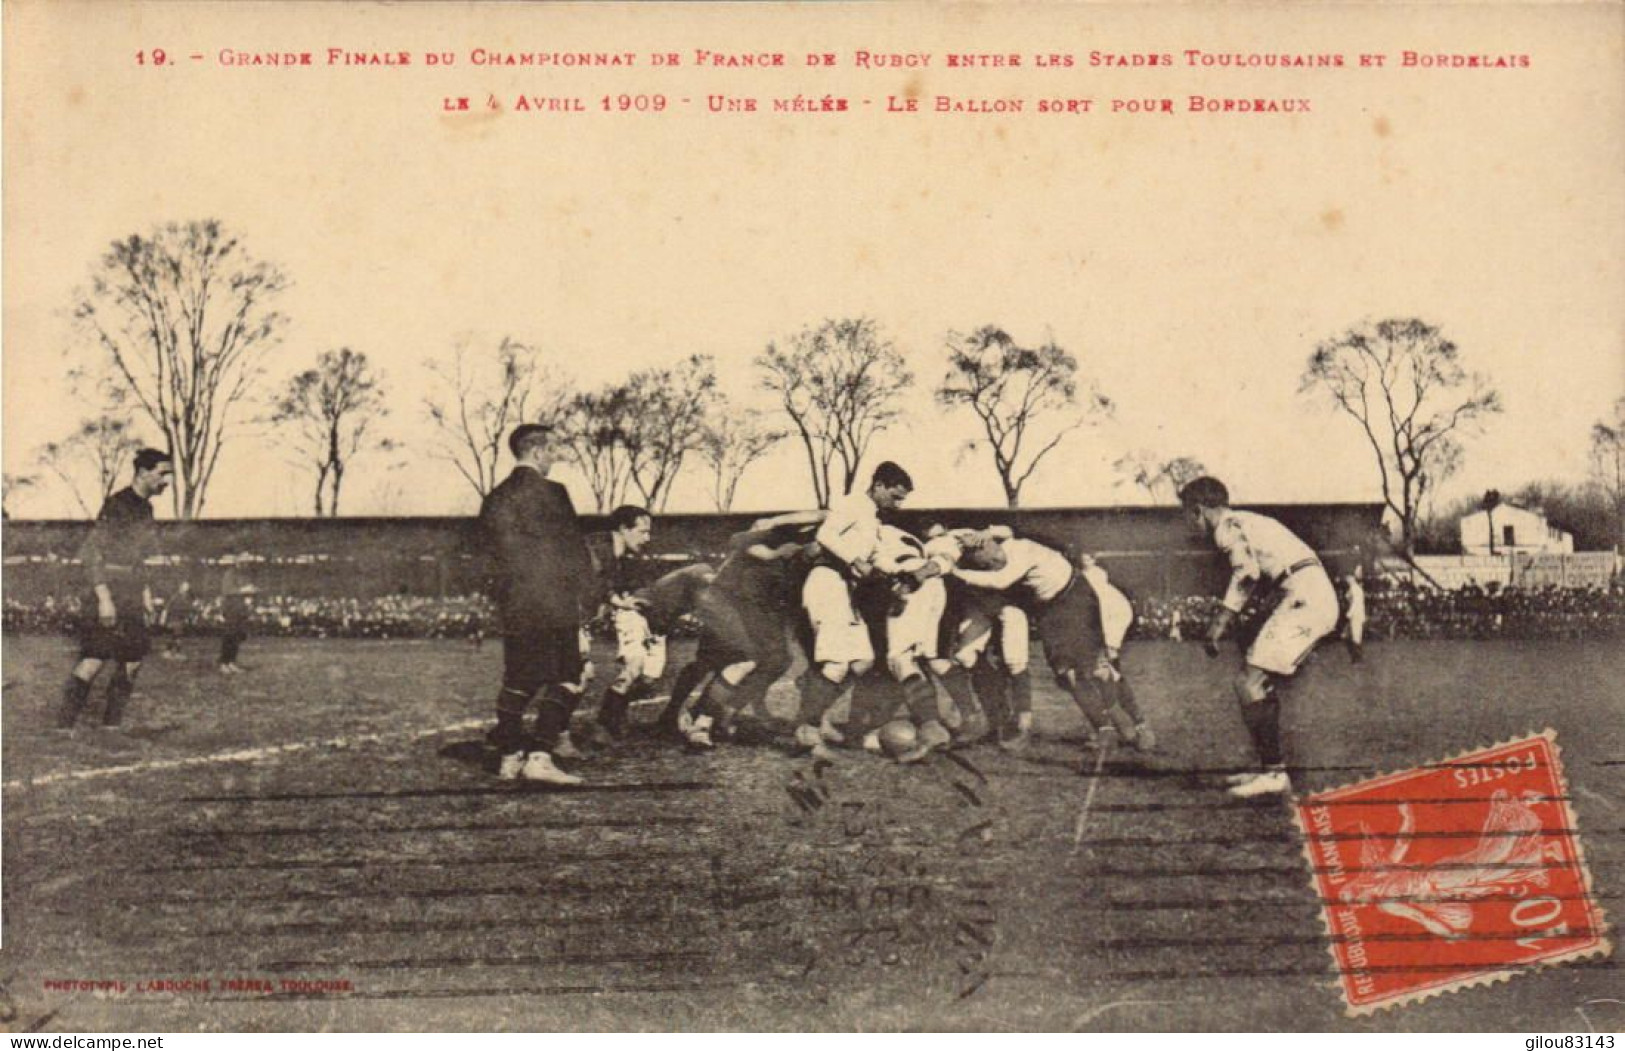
544, 575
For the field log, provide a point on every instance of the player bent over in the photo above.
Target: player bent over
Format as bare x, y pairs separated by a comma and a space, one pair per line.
849, 540
744, 616
1267, 562
919, 598
119, 604
543, 580
1068, 616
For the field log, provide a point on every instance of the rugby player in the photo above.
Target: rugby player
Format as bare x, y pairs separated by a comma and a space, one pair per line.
1068, 615
744, 616
842, 651
1271, 565
119, 603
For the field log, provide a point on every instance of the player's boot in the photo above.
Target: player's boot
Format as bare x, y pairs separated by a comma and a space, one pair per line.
1023, 735
1145, 739
933, 735
565, 748
871, 742
827, 730
539, 767
810, 740
511, 765
1272, 782
973, 727
1240, 778
699, 735
75, 694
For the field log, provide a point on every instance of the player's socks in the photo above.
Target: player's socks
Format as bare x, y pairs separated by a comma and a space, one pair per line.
921, 698
993, 687
818, 695
957, 685
1021, 692
1263, 720
509, 735
119, 689
1123, 695
74, 694
612, 711
552, 720
688, 680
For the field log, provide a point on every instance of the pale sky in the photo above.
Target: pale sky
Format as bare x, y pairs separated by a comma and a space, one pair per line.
1191, 261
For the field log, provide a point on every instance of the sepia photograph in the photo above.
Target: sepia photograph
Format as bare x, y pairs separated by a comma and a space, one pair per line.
778, 517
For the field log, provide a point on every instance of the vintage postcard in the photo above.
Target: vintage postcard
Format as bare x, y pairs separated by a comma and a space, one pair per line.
888, 516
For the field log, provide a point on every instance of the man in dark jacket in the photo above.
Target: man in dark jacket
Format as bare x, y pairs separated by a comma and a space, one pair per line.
544, 575
119, 602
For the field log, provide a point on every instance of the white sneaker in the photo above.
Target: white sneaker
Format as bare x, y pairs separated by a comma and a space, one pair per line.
1241, 778
539, 767
512, 764
1269, 783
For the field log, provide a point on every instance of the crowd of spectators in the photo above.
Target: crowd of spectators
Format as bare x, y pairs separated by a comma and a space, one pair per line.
1395, 610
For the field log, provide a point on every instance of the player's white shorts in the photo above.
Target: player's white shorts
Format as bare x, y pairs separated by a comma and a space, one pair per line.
975, 634
912, 633
1307, 614
641, 652
839, 635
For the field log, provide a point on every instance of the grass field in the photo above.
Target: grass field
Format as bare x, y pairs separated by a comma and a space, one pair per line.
736, 890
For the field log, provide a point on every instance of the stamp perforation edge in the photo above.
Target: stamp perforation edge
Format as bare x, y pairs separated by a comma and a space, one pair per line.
1561, 797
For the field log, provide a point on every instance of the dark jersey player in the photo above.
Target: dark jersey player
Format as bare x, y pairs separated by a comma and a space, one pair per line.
745, 615
119, 603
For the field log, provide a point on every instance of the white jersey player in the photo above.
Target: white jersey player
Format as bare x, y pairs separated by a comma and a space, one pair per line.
1265, 556
849, 539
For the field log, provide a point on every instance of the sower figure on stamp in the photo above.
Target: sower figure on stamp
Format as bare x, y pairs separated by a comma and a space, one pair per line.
543, 576
119, 603
1270, 563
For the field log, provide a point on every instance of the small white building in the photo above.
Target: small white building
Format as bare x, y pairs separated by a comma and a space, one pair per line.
1517, 530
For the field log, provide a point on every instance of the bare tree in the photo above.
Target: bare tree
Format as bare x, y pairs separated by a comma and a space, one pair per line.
1404, 384
485, 395
731, 443
1159, 477
185, 316
1608, 466
1027, 399
670, 409
595, 427
839, 384
92, 459
12, 485
330, 409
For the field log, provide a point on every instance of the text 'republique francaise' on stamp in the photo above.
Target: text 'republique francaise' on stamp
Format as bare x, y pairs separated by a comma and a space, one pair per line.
1451, 875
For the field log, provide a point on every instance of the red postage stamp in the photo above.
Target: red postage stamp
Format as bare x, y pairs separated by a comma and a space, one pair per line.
1455, 874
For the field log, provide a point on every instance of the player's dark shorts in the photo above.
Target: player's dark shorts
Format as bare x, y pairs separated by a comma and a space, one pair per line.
732, 631
1069, 626
128, 639
540, 657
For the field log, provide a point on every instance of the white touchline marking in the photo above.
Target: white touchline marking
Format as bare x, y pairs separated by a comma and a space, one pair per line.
246, 755
1089, 1016
1089, 798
